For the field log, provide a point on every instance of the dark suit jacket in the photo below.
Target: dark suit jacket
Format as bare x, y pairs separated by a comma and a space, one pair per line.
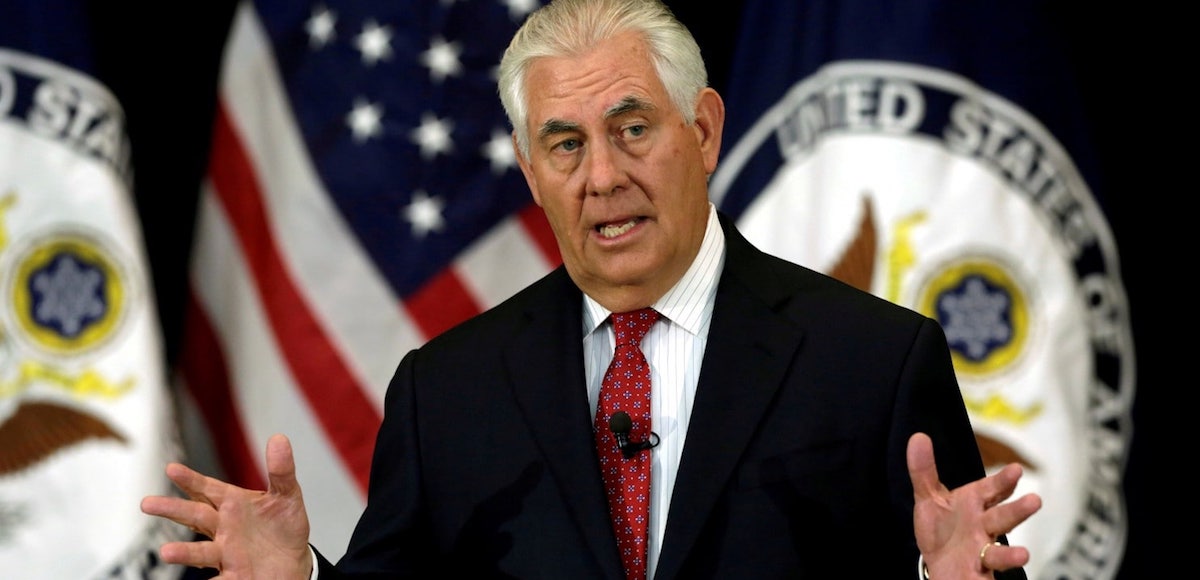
794, 465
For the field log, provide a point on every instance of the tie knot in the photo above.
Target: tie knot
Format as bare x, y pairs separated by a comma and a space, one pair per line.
630, 327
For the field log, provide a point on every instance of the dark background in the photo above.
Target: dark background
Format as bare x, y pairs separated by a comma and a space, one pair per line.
163, 68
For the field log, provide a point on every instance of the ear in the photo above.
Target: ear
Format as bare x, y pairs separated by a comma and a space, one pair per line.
527, 171
710, 123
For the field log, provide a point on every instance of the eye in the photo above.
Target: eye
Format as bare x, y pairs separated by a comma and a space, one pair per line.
568, 145
635, 130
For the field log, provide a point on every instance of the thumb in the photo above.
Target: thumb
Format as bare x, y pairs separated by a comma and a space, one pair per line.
281, 467
922, 469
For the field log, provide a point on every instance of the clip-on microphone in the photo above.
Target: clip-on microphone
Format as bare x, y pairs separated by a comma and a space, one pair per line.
620, 424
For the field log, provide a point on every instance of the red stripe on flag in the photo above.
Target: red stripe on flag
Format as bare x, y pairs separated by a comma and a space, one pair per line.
443, 302
538, 228
202, 363
350, 419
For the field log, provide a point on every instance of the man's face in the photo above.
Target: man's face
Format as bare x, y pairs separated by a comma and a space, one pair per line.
621, 176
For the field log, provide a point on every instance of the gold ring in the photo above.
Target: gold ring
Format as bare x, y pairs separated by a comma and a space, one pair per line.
983, 554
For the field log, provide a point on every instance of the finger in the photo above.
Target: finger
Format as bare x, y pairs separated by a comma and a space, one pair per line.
172, 508
281, 466
1003, 518
1000, 486
196, 485
921, 466
196, 554
164, 507
200, 517
1001, 557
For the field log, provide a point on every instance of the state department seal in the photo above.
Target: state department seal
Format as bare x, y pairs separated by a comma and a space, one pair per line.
67, 293
921, 187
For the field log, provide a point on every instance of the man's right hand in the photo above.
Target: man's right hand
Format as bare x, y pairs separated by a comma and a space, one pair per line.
253, 534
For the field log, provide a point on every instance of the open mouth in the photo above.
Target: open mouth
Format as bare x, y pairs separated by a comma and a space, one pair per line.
613, 230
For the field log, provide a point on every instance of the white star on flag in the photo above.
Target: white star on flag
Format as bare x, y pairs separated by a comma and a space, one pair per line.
425, 214
442, 58
375, 42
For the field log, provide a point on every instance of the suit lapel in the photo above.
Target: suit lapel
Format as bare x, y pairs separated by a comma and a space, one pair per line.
750, 347
545, 361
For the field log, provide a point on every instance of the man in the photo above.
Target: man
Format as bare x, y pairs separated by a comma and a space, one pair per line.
794, 418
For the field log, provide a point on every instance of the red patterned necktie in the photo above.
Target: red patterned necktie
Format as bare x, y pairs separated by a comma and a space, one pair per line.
626, 387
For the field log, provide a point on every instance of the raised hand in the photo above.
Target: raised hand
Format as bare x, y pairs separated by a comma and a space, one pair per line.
956, 529
252, 534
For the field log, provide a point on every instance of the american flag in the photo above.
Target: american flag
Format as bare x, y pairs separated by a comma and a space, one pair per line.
362, 196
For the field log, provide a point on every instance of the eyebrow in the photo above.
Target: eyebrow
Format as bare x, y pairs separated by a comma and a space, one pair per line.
556, 126
626, 105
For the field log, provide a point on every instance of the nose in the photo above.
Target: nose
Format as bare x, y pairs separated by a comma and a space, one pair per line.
606, 171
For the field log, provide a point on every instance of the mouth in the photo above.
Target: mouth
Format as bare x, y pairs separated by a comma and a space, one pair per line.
615, 229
